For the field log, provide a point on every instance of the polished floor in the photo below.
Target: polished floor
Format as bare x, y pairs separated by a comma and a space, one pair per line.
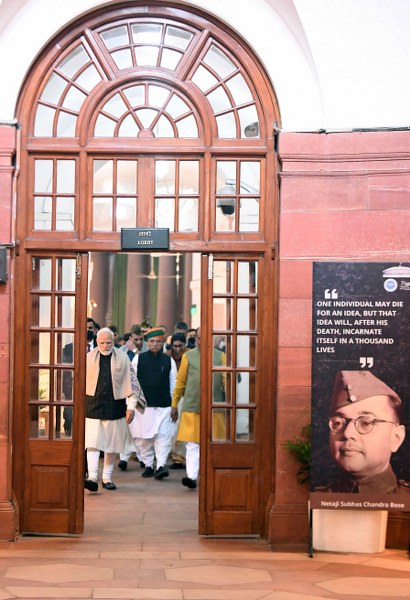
141, 542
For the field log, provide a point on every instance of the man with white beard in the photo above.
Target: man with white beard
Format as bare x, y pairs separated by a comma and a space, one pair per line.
110, 408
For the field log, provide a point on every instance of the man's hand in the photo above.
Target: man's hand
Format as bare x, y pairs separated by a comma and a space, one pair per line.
174, 413
129, 416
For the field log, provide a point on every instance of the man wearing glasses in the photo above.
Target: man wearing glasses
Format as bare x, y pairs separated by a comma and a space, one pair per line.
365, 429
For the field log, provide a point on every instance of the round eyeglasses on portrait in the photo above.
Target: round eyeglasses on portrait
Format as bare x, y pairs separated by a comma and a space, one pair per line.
363, 424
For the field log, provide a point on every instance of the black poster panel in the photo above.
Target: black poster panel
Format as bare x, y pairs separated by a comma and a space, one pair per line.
361, 386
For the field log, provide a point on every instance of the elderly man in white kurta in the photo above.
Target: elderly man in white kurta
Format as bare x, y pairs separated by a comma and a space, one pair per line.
110, 408
152, 431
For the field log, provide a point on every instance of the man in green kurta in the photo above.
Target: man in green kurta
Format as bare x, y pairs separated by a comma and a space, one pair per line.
188, 385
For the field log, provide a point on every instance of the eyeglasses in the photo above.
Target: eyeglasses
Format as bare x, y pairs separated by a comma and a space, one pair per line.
363, 424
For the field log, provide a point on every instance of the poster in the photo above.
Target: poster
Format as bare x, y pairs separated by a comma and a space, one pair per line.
361, 386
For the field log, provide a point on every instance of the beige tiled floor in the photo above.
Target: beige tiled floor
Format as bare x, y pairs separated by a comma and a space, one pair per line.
141, 542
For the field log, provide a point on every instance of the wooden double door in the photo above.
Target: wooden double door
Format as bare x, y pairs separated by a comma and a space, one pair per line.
236, 414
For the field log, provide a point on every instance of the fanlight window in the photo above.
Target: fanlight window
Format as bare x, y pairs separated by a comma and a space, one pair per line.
149, 108
141, 44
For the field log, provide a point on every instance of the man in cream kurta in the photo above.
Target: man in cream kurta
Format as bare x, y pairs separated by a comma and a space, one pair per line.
110, 408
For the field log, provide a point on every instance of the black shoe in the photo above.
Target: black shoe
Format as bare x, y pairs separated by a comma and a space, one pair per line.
90, 485
189, 483
142, 464
149, 472
177, 466
109, 485
161, 473
123, 465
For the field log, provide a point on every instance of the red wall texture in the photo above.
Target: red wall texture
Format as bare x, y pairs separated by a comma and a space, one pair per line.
343, 196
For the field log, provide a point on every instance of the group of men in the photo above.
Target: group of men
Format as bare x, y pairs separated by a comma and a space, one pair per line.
132, 400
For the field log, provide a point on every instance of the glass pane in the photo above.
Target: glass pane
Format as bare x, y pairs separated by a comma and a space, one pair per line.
249, 214
65, 176
41, 311
188, 214
226, 177
128, 127
66, 125
43, 176
221, 426
135, 95
248, 116
40, 347
222, 313
246, 351
223, 343
127, 176
44, 121
65, 306
67, 420
247, 315
104, 127
147, 56
239, 90
245, 425
146, 116
165, 212
187, 127
116, 37
115, 106
41, 274
74, 61
177, 37
64, 214
103, 176
64, 385
122, 58
221, 388
42, 213
163, 128
245, 387
146, 33
177, 107
67, 354
54, 89
223, 276
39, 419
226, 126
225, 214
60, 425
189, 177
65, 274
157, 95
219, 100
170, 59
250, 175
74, 99
247, 277
219, 62
89, 78
61, 340
165, 177
102, 214
204, 79
126, 212
40, 384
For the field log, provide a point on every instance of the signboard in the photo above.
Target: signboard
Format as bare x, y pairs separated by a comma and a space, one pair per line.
361, 386
144, 239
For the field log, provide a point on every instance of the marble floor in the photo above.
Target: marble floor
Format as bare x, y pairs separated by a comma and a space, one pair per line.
141, 542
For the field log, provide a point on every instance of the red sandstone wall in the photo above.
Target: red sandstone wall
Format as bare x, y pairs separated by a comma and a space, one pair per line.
8, 517
344, 197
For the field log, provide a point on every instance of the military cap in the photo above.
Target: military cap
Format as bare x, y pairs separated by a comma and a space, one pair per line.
354, 386
154, 332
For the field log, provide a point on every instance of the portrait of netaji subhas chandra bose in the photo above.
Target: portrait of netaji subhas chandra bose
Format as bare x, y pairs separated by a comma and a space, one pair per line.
365, 429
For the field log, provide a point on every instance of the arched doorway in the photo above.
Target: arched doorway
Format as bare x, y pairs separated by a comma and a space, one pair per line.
150, 115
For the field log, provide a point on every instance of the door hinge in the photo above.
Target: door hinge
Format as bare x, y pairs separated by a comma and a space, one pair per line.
78, 267
211, 266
